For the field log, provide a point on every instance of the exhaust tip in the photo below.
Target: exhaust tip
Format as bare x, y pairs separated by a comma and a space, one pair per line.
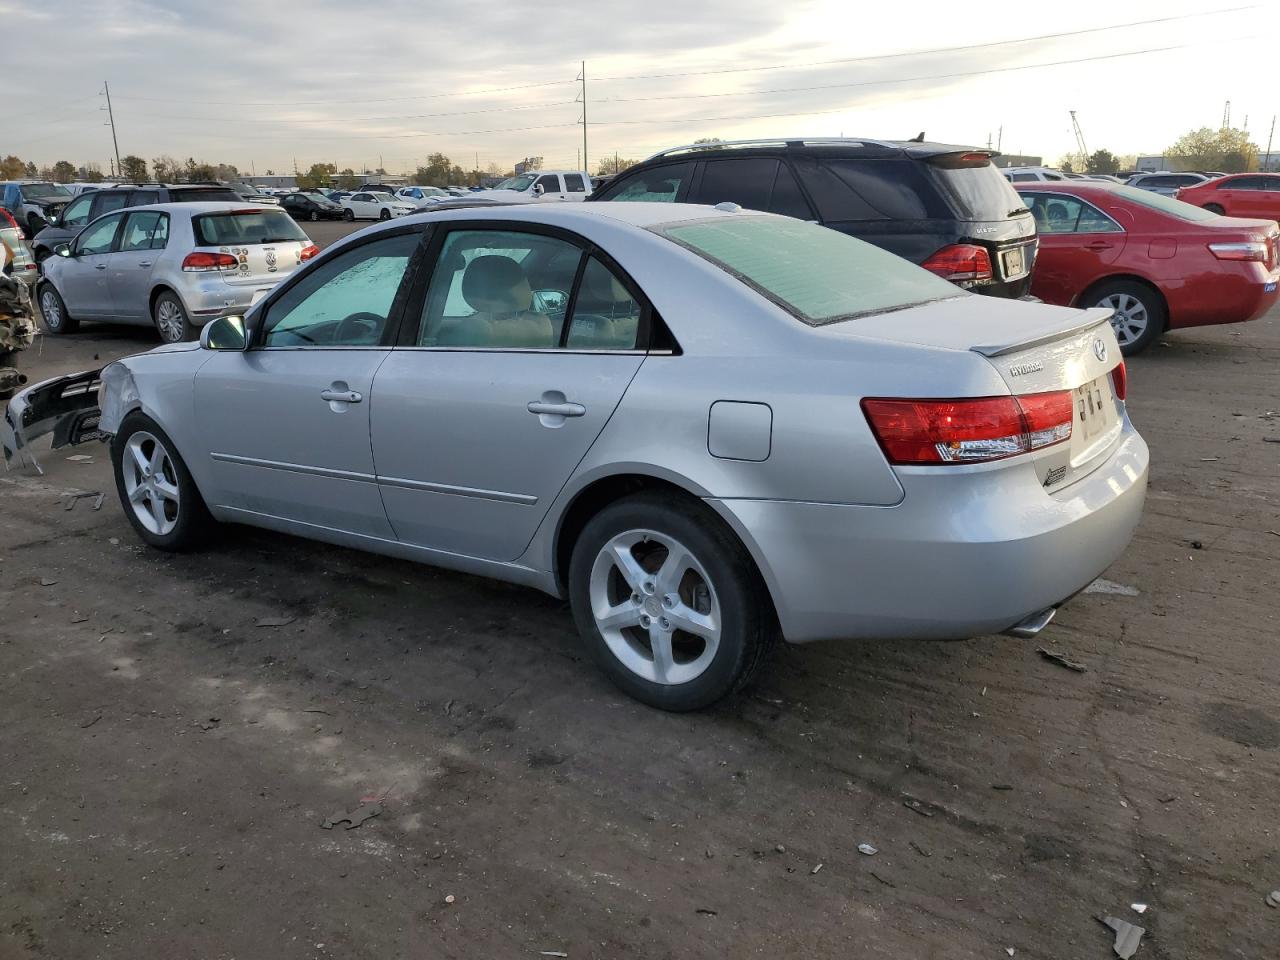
1032, 625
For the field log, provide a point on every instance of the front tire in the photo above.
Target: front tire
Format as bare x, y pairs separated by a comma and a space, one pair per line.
171, 319
348, 215
1140, 313
54, 312
384, 214
159, 497
669, 601
315, 215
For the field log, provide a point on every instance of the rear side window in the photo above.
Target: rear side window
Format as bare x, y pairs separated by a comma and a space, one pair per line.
109, 200
573, 183
850, 189
147, 230
656, 185
141, 198
747, 181
246, 226
1024, 177
1156, 201
787, 198
202, 196
818, 275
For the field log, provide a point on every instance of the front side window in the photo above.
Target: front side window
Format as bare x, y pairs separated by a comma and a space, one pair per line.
98, 236
345, 302
147, 230
77, 213
1056, 213
817, 275
550, 183
658, 185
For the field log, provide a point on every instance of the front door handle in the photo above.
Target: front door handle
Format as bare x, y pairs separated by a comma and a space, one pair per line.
341, 396
99, 266
144, 263
562, 409
1098, 245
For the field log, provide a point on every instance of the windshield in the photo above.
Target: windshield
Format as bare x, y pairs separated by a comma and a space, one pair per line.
979, 192
383, 197
45, 190
817, 275
246, 226
522, 182
1156, 201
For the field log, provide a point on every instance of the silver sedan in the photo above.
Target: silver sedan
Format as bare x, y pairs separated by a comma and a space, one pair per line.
707, 428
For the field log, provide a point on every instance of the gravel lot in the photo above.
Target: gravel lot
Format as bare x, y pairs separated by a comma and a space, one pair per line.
168, 762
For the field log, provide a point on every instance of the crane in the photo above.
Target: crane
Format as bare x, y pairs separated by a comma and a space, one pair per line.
1084, 151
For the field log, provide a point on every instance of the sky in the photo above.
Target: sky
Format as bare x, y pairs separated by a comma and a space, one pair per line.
386, 82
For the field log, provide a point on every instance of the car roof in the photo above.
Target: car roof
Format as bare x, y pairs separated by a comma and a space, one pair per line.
1066, 186
572, 215
206, 206
825, 147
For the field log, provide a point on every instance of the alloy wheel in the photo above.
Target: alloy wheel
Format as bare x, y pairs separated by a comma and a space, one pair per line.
170, 321
1130, 319
151, 483
655, 606
51, 310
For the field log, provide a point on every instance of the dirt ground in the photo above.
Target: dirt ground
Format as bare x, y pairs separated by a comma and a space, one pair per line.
166, 762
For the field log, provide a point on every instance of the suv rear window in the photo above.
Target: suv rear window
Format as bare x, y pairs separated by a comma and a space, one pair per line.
977, 192
215, 194
847, 189
246, 226
817, 275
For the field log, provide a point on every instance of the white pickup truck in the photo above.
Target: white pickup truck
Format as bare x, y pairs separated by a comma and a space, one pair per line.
541, 185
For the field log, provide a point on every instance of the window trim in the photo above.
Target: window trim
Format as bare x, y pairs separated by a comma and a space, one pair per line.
390, 333
130, 214
1078, 199
650, 319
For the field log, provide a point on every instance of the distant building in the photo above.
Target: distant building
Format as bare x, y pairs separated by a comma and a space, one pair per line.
290, 182
1017, 160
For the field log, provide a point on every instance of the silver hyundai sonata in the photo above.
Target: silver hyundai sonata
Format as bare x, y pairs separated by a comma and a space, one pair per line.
705, 427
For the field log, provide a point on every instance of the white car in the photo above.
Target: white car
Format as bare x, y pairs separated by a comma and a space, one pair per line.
422, 196
375, 206
542, 185
1032, 174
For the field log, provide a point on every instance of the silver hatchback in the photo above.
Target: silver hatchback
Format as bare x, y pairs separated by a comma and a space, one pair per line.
174, 265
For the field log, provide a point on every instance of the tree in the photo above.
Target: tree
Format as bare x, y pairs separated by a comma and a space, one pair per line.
1228, 150
346, 180
31, 171
196, 172
91, 172
320, 175
64, 171
1102, 161
135, 168
612, 165
439, 171
11, 168
1068, 163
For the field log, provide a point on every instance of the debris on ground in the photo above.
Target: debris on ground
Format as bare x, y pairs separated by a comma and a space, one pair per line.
1208, 459
919, 849
552, 953
1010, 951
209, 724
1061, 661
867, 849
79, 618
357, 817
1102, 585
274, 621
97, 496
780, 848
911, 803
1002, 786
80, 458
1128, 936
1271, 439
47, 581
1138, 907
449, 899
884, 880
815, 870
1273, 898
85, 725
707, 911
1197, 545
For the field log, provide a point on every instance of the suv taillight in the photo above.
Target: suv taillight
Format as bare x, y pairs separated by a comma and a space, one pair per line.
960, 261
914, 432
204, 262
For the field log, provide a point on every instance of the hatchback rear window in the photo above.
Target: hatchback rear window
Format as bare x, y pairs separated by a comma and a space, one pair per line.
246, 226
817, 275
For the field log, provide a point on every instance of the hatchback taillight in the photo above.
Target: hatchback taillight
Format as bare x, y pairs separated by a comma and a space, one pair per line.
309, 251
1243, 250
205, 262
960, 261
970, 430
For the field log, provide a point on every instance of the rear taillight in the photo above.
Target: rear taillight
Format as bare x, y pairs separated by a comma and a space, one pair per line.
1244, 250
960, 261
969, 430
8, 218
308, 252
204, 262
1120, 381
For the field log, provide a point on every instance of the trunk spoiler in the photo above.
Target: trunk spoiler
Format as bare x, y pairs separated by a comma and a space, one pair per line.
66, 407
1093, 317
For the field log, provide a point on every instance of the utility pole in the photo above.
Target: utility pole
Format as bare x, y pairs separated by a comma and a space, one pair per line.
1226, 115
999, 137
583, 78
615, 163
1084, 151
1267, 164
111, 119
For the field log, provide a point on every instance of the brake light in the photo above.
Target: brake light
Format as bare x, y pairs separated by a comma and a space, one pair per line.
969, 430
308, 252
1244, 250
960, 261
1120, 381
205, 262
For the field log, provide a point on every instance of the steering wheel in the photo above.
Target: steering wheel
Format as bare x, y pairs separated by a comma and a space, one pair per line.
358, 328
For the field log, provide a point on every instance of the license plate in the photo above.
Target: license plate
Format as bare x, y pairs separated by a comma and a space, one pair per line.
1015, 263
1270, 287
1094, 408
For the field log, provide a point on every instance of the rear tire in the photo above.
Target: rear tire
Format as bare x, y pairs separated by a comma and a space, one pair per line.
315, 215
171, 319
159, 498
632, 620
348, 214
54, 312
384, 214
1140, 315
1215, 208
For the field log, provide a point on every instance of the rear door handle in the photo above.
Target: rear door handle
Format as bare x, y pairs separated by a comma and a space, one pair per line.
564, 409
99, 266
341, 396
144, 263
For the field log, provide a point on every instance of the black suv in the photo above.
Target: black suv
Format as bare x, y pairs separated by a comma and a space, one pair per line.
944, 207
90, 205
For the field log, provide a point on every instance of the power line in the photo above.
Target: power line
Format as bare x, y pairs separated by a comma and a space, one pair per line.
934, 50
332, 120
348, 99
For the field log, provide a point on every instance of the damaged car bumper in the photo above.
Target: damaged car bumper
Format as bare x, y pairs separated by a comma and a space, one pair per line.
66, 407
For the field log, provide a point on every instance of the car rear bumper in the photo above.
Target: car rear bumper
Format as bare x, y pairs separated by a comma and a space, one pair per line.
211, 296
1233, 293
962, 555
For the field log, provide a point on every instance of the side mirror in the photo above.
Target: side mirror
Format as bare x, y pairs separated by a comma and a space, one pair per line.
225, 333
63, 249
539, 189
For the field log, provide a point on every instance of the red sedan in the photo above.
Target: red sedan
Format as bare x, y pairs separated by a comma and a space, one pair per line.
1159, 263
1238, 195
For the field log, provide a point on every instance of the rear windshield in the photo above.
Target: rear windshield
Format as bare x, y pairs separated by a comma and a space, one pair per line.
200, 196
978, 192
246, 226
816, 274
44, 190
1156, 201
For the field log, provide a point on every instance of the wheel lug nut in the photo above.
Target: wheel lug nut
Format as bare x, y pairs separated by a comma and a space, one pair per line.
645, 621
648, 587
666, 624
635, 598
668, 601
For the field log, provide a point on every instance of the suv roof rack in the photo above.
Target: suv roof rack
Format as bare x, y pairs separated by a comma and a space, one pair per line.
773, 142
